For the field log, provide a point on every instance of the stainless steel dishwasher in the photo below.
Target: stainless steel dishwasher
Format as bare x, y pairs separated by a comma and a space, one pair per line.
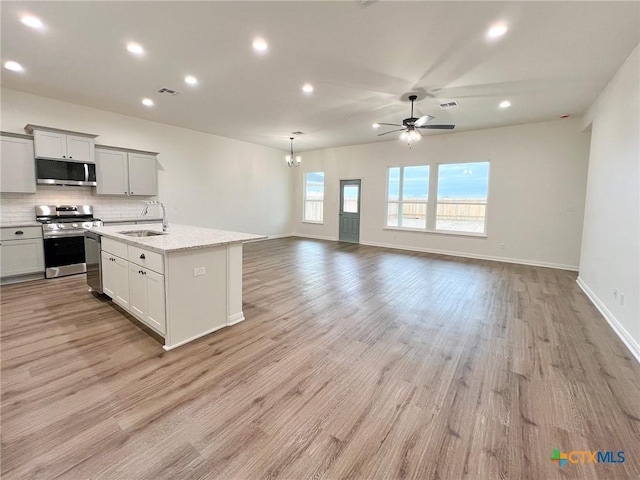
92, 253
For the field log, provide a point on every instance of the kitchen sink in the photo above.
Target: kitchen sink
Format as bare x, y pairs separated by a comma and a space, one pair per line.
142, 233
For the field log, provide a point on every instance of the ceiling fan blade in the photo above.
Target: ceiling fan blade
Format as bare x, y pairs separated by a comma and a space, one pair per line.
422, 120
392, 131
391, 124
438, 127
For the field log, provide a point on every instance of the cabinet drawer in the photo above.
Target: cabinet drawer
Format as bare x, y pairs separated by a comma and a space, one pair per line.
115, 248
20, 233
151, 260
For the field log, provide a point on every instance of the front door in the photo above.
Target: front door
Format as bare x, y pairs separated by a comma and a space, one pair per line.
350, 211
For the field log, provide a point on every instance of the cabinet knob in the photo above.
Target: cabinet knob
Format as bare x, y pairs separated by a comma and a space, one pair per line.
142, 256
19, 232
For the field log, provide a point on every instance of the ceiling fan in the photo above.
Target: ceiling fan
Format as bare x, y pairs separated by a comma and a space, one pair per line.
410, 126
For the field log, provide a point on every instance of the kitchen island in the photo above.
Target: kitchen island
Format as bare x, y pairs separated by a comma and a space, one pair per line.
183, 284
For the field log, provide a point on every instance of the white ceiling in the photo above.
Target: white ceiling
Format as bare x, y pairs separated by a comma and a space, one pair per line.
362, 60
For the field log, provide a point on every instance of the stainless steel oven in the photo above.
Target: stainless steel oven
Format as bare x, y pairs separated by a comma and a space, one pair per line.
63, 228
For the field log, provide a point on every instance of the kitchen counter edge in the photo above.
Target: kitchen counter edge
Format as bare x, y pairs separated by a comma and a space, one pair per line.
154, 243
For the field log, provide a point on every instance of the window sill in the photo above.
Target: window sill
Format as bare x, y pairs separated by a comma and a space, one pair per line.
313, 222
438, 232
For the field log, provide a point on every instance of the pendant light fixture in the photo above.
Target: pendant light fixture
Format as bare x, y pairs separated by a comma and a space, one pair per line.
293, 161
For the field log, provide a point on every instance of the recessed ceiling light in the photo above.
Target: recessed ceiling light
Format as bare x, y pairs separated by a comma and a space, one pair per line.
260, 45
33, 22
147, 102
505, 104
307, 88
135, 48
13, 66
191, 80
497, 31
376, 125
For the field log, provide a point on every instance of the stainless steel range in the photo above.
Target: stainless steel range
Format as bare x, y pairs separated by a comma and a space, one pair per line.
63, 228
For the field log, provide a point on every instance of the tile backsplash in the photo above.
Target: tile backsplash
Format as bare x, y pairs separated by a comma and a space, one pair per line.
19, 207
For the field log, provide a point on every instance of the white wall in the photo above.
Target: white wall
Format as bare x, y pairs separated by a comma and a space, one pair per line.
204, 180
536, 190
611, 237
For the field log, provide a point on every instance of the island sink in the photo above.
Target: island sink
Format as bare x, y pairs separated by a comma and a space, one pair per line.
142, 233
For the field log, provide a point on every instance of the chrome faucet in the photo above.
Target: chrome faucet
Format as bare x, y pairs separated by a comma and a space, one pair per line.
145, 210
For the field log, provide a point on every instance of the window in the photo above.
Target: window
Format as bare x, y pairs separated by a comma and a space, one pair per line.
313, 196
407, 195
462, 197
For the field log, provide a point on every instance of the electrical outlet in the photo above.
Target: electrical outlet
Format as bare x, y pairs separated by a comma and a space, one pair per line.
615, 293
502, 246
199, 271
621, 298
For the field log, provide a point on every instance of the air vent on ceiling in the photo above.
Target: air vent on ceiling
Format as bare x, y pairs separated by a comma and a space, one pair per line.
169, 91
449, 105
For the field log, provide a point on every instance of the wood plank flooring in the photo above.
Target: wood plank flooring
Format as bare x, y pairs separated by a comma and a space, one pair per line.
353, 362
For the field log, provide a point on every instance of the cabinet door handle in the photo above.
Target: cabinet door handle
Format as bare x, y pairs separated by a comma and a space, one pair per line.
142, 256
19, 232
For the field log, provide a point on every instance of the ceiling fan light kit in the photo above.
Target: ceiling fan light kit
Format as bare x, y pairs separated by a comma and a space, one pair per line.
410, 126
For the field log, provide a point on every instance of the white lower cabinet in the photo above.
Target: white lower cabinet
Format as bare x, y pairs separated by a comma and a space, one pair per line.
134, 287
21, 251
146, 296
115, 279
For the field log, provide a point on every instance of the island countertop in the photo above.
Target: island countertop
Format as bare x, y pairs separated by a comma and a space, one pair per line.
178, 237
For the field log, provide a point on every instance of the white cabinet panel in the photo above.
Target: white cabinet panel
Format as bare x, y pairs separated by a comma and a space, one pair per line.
17, 165
147, 297
112, 175
21, 257
137, 292
142, 174
50, 144
59, 145
115, 279
80, 148
155, 301
121, 172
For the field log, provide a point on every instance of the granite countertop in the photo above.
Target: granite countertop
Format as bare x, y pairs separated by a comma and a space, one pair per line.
179, 237
132, 219
32, 223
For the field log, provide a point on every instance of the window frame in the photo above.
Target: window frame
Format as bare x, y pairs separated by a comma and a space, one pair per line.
486, 203
432, 201
400, 202
305, 199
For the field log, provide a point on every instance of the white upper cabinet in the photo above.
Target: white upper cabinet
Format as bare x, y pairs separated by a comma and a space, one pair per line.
61, 145
125, 172
80, 148
112, 172
142, 174
17, 165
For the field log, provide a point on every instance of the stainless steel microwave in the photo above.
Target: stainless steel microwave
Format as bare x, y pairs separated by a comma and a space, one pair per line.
62, 172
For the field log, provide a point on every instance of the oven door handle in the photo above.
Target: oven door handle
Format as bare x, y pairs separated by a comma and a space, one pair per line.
48, 236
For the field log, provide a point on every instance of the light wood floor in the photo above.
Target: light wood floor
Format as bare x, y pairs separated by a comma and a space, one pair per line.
353, 362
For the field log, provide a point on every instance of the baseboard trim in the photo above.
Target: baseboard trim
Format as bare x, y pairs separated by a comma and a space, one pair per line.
560, 266
314, 237
279, 235
235, 318
627, 339
191, 339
